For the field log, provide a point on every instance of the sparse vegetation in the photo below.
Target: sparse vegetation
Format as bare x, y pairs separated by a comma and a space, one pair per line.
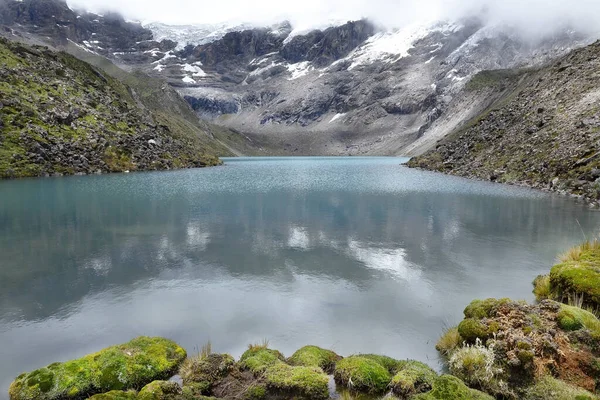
449, 341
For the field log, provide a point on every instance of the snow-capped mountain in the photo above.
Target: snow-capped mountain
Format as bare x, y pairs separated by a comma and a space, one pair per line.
351, 88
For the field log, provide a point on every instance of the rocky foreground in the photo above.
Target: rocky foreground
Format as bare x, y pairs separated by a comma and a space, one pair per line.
503, 349
60, 115
544, 132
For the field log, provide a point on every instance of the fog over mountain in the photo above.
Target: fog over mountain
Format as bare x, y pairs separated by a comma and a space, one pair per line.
534, 17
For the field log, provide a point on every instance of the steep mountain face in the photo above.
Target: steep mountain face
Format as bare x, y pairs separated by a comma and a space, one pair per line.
59, 115
543, 131
348, 89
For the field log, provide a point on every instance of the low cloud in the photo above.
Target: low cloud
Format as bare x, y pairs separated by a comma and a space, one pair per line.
533, 17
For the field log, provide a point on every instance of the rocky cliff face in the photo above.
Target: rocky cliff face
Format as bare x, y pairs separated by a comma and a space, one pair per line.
543, 131
60, 115
348, 89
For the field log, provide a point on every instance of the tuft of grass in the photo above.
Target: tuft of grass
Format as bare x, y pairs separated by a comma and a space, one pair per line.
476, 366
549, 388
577, 277
576, 253
541, 287
263, 344
449, 341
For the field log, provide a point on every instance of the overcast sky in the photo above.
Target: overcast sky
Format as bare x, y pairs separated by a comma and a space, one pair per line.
529, 15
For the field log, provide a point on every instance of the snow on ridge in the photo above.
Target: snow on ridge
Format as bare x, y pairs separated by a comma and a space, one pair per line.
299, 69
196, 70
394, 45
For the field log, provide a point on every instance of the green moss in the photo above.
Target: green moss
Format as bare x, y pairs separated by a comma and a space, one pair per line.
159, 390
549, 388
127, 366
541, 287
572, 318
578, 275
297, 382
115, 395
471, 329
257, 359
479, 309
389, 363
415, 377
362, 374
448, 387
313, 356
255, 392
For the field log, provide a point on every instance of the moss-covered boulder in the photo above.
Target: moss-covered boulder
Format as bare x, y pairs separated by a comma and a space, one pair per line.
389, 363
128, 366
471, 329
313, 356
160, 390
572, 318
414, 377
479, 309
209, 368
258, 358
449, 387
308, 383
549, 388
116, 395
362, 374
578, 275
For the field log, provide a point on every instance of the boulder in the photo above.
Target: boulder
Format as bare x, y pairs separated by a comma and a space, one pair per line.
128, 366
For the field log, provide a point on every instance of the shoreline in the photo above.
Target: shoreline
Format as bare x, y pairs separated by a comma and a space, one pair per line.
502, 349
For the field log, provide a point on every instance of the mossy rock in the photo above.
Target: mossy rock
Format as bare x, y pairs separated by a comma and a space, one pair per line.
471, 329
572, 318
159, 390
415, 377
448, 387
362, 374
115, 395
128, 366
578, 275
196, 389
257, 359
549, 388
313, 356
206, 369
479, 309
307, 383
389, 363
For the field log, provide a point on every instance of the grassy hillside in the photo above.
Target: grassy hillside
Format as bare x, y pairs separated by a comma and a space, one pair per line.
61, 115
545, 133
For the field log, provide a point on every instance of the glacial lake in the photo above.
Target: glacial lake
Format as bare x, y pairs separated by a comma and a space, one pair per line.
352, 254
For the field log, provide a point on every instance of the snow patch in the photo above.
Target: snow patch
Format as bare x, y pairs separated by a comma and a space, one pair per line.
187, 79
299, 69
430, 60
196, 71
394, 45
336, 117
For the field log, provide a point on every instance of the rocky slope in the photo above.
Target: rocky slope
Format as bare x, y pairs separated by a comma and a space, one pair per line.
544, 131
60, 115
352, 88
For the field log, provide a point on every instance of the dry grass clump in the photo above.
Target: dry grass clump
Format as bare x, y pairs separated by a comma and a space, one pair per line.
575, 253
449, 341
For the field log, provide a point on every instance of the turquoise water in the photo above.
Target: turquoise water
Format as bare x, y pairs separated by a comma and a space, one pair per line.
353, 254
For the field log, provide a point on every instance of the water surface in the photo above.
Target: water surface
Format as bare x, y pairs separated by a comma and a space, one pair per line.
353, 254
